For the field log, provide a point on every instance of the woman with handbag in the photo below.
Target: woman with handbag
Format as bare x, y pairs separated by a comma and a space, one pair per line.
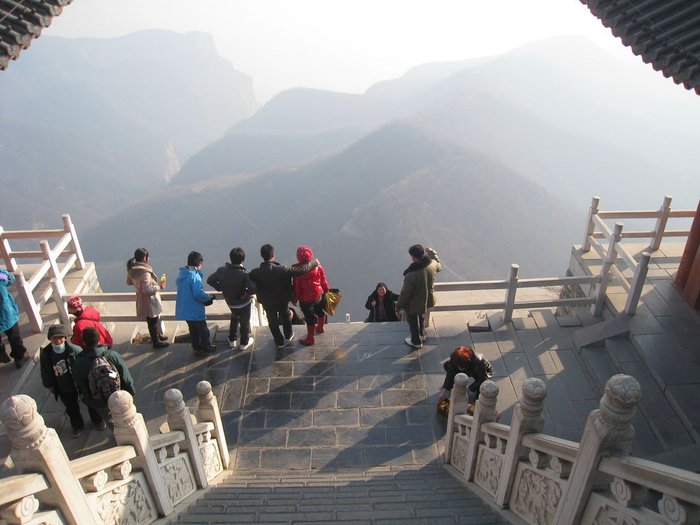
141, 276
308, 290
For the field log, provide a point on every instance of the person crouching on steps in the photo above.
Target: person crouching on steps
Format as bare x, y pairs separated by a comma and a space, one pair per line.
98, 373
308, 290
56, 361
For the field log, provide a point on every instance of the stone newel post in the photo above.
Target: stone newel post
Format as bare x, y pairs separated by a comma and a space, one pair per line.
608, 431
130, 429
36, 448
458, 405
179, 418
485, 412
208, 410
527, 418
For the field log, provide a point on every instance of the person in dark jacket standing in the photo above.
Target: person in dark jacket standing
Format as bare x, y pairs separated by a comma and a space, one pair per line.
86, 316
238, 289
56, 361
308, 290
81, 372
190, 302
274, 291
418, 291
381, 305
9, 323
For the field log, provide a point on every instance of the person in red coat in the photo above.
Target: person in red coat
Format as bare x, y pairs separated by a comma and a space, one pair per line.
86, 316
308, 290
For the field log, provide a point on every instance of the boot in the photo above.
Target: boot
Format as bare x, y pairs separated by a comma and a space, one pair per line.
309, 340
4, 358
157, 343
320, 323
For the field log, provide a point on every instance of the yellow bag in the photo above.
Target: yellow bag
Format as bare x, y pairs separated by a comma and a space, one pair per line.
332, 300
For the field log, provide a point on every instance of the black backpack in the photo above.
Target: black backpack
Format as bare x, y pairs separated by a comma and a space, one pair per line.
103, 378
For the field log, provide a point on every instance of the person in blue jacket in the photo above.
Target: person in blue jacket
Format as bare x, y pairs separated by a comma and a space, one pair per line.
191, 301
9, 323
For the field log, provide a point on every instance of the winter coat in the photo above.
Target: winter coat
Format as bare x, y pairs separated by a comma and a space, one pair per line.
89, 317
235, 283
144, 279
48, 360
81, 369
477, 369
274, 282
418, 291
191, 297
309, 288
9, 314
389, 306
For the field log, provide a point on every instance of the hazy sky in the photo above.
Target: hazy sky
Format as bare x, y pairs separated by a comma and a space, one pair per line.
341, 45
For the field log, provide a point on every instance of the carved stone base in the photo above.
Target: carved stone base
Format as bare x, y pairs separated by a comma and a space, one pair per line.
178, 477
126, 502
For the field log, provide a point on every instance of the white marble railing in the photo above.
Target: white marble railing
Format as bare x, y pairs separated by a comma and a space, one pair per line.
547, 480
136, 482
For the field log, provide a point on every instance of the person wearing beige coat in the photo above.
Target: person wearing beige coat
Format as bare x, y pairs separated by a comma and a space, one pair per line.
141, 276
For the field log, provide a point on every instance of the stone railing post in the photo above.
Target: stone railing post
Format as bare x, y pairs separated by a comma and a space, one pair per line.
458, 405
208, 410
660, 226
484, 412
31, 308
69, 228
527, 418
10, 262
590, 225
36, 448
130, 429
640, 275
179, 418
608, 431
510, 293
605, 275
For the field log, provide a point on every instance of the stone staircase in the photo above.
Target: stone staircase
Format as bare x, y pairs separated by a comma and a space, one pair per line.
422, 495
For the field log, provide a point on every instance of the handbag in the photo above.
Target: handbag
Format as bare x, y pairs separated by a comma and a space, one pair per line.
332, 299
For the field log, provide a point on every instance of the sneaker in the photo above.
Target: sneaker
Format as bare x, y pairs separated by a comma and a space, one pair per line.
248, 344
162, 337
19, 363
102, 425
411, 343
289, 339
280, 346
77, 432
233, 344
423, 338
160, 344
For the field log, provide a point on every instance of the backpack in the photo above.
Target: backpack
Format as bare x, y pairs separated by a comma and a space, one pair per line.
103, 378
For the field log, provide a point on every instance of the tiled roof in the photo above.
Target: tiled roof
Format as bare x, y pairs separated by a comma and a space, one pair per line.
23, 20
665, 33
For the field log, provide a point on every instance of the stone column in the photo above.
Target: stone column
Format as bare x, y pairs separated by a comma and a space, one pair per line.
458, 405
527, 418
36, 448
179, 418
608, 431
485, 412
130, 429
208, 410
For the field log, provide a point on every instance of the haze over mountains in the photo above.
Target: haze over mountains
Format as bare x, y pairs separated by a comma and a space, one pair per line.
491, 161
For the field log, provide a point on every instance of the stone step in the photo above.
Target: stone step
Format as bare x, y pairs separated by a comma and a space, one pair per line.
426, 495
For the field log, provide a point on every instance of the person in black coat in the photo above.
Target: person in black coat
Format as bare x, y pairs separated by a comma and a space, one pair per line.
381, 305
475, 366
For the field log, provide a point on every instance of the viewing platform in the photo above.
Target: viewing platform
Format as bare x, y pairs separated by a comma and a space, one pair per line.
346, 430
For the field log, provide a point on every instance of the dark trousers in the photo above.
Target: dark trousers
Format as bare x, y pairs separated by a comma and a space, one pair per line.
72, 404
199, 333
240, 316
415, 324
17, 348
312, 311
277, 314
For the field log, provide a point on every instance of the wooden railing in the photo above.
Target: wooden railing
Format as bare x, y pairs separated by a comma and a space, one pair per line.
548, 480
56, 262
142, 478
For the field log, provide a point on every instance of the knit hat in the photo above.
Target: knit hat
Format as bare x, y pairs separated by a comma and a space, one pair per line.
57, 330
75, 303
304, 254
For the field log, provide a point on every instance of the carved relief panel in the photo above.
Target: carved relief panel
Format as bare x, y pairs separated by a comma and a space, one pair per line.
178, 478
126, 502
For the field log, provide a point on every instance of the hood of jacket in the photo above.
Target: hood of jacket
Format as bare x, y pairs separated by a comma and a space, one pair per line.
89, 313
419, 265
139, 269
304, 254
187, 272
